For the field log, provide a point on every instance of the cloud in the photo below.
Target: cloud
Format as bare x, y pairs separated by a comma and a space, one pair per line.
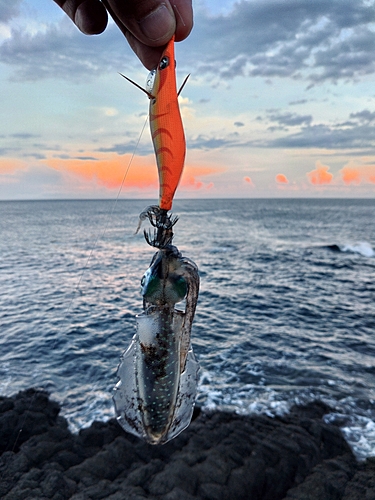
110, 111
127, 147
320, 175
205, 142
290, 119
281, 179
294, 130
353, 173
11, 165
315, 41
356, 133
9, 151
8, 10
61, 51
24, 135
192, 177
186, 108
111, 171
365, 116
36, 156
30, 183
298, 101
350, 175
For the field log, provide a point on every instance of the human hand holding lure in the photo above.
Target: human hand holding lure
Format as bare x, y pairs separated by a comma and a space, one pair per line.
155, 396
147, 25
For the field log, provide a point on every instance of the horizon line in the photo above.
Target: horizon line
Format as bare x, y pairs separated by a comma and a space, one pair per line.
195, 199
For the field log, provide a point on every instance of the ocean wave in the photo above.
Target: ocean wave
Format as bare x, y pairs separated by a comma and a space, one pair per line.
362, 248
358, 430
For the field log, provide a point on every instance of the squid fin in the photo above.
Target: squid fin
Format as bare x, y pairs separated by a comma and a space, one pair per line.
186, 397
125, 395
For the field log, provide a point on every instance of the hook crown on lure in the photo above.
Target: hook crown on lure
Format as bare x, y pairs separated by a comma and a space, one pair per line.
167, 131
163, 224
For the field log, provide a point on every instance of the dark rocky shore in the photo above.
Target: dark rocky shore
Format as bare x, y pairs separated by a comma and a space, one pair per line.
220, 456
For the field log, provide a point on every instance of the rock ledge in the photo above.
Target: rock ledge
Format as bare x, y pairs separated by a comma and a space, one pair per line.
221, 456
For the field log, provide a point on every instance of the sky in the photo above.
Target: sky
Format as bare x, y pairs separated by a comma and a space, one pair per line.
280, 103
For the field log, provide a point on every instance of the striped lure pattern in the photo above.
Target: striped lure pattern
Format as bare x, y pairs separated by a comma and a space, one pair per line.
166, 127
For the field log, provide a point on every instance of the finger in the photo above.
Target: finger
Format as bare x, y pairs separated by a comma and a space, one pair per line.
90, 16
153, 22
183, 10
149, 56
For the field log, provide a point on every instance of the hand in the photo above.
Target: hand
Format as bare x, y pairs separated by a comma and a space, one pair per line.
147, 24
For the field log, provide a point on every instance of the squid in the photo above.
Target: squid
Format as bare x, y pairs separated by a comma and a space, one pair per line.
155, 396
158, 374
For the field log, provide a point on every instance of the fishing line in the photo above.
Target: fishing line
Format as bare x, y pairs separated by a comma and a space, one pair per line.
77, 288
109, 216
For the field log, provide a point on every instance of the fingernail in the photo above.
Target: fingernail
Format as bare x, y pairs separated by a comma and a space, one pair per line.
160, 23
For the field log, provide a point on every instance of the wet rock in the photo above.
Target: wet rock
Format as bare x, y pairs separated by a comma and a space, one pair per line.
221, 456
26, 414
362, 485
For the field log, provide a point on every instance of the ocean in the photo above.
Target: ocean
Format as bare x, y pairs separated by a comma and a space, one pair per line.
286, 312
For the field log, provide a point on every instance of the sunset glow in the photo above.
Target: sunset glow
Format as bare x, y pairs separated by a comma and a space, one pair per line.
248, 181
281, 179
357, 174
111, 170
10, 166
253, 127
320, 175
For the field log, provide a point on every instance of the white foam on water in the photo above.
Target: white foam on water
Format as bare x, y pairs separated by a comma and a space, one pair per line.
358, 431
250, 399
98, 406
362, 248
356, 420
223, 249
271, 406
254, 369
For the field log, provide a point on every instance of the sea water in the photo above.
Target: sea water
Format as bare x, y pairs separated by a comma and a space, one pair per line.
286, 312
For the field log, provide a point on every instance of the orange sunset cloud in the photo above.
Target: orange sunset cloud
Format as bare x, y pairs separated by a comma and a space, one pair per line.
320, 175
350, 175
10, 165
355, 174
281, 179
191, 177
109, 170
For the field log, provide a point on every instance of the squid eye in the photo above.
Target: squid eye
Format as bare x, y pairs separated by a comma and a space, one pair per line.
164, 62
143, 280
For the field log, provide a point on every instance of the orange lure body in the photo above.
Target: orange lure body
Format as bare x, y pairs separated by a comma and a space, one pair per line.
166, 127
